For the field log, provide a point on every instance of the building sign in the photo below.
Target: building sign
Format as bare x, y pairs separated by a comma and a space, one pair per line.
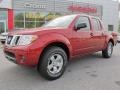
82, 9
6, 4
35, 6
58, 6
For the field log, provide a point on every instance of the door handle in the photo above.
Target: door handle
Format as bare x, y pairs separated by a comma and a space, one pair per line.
91, 34
102, 34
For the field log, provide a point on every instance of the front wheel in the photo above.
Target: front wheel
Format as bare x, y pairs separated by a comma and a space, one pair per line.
53, 63
107, 53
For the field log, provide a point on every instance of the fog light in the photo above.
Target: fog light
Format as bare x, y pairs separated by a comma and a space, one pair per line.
23, 58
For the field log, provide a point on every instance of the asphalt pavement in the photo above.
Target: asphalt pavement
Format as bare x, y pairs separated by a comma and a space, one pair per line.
87, 73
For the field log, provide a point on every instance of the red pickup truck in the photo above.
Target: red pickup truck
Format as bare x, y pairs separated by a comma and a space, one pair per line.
51, 46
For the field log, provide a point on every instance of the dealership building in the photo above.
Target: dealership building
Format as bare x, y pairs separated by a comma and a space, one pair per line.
19, 14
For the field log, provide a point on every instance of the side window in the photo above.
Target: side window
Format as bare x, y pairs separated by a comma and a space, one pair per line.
99, 25
83, 20
96, 25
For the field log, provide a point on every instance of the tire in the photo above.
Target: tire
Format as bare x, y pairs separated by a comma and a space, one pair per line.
107, 53
53, 63
118, 41
2, 42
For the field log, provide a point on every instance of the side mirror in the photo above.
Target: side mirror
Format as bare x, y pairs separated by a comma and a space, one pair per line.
79, 26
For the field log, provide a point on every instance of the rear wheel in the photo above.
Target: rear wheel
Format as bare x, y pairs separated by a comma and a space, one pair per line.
107, 53
53, 63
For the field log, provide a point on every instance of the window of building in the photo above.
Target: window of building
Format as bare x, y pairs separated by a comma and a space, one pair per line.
110, 27
19, 19
33, 19
84, 20
3, 21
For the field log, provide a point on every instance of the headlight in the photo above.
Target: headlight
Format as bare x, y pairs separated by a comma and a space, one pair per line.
26, 39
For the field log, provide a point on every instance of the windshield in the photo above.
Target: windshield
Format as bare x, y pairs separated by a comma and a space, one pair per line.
60, 22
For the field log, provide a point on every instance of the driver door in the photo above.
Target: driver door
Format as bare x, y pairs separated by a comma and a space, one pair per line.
83, 38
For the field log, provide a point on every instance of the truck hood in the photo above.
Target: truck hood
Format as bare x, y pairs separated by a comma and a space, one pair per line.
35, 31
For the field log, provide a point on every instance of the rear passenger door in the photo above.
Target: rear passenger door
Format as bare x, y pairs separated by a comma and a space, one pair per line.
99, 37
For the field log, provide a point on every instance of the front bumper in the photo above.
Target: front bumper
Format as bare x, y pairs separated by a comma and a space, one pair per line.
10, 58
22, 55
2, 40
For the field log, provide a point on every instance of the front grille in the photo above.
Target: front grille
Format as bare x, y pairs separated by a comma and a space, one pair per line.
12, 40
17, 39
9, 39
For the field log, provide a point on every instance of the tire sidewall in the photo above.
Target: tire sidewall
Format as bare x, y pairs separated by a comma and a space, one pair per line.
63, 67
110, 43
45, 59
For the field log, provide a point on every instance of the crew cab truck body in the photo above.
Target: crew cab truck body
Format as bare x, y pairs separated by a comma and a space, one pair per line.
51, 46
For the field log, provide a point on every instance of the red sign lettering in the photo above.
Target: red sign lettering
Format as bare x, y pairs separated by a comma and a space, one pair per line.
82, 9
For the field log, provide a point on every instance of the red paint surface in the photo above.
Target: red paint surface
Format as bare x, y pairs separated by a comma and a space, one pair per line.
10, 19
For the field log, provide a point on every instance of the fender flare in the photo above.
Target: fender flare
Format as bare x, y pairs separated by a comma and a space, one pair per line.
58, 38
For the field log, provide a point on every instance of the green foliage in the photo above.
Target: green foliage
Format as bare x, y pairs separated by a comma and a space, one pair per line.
19, 16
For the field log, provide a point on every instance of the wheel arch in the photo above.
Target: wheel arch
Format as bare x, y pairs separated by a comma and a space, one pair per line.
111, 40
58, 44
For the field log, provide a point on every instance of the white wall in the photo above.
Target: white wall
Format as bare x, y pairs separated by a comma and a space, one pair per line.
110, 11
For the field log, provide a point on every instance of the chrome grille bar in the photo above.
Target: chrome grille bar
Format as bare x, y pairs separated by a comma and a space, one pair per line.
12, 40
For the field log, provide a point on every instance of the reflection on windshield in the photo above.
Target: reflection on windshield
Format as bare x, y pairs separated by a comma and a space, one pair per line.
60, 22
